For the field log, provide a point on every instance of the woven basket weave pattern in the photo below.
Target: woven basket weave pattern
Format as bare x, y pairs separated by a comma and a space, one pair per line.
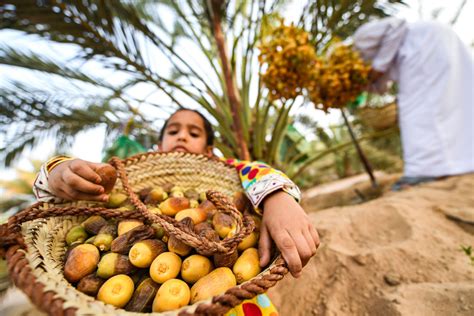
189, 171
379, 118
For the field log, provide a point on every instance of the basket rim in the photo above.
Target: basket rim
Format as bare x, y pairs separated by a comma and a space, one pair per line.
377, 108
132, 159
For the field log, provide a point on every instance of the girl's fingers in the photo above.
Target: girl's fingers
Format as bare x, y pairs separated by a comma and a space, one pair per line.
304, 249
288, 250
77, 183
314, 235
85, 170
77, 195
310, 241
264, 246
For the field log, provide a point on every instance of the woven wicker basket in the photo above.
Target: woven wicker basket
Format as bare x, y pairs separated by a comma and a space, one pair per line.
379, 118
34, 239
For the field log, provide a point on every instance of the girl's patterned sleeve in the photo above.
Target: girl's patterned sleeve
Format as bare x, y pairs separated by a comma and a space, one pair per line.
41, 187
259, 180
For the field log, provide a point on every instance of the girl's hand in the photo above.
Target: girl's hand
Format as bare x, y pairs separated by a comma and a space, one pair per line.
77, 180
287, 224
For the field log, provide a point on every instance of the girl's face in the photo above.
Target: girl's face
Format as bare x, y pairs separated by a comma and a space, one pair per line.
185, 132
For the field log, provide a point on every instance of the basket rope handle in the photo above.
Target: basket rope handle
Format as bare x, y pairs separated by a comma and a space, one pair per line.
7, 240
203, 245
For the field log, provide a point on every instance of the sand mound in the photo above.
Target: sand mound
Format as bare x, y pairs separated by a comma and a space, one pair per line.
397, 255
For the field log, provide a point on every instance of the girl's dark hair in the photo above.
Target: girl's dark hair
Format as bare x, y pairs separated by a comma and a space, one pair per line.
207, 127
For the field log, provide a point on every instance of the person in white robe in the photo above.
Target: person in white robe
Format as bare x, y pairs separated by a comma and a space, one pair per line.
434, 71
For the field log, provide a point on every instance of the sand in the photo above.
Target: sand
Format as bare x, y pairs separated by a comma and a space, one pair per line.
397, 255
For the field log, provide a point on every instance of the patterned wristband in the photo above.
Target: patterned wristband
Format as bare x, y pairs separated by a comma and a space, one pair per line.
53, 162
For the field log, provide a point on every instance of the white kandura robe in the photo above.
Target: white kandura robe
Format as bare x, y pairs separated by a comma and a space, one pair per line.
434, 70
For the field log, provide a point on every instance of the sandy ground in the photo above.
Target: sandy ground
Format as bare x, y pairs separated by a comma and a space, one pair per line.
347, 191
397, 255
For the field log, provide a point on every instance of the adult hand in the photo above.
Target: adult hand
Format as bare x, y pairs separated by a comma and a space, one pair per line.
77, 180
287, 224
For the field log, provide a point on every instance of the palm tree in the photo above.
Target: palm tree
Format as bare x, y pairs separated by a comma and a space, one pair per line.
141, 59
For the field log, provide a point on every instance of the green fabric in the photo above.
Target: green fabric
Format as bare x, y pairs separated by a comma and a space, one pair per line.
360, 100
123, 147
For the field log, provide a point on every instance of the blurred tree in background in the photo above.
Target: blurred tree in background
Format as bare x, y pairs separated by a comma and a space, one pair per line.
17, 193
108, 63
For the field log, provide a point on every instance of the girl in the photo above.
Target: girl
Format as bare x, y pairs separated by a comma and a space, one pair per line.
284, 221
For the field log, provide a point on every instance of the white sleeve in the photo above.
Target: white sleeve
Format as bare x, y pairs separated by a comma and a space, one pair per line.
378, 41
41, 187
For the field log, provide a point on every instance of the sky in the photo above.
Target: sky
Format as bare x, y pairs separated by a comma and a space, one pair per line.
92, 150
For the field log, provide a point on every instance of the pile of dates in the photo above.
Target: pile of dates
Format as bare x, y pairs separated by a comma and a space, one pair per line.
138, 267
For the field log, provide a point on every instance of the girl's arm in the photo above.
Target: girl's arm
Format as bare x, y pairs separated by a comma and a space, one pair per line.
284, 220
260, 180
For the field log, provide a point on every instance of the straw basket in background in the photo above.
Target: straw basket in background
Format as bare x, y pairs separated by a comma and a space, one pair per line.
34, 239
379, 118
